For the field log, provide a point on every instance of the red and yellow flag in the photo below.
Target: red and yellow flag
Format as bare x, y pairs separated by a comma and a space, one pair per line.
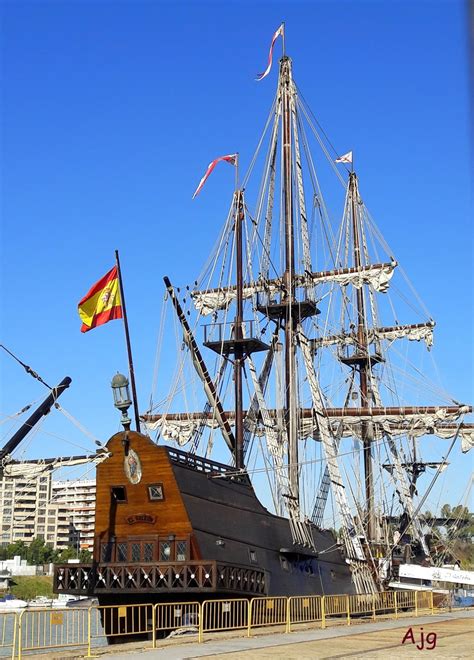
102, 302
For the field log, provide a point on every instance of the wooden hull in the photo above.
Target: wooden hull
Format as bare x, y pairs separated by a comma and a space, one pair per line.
189, 530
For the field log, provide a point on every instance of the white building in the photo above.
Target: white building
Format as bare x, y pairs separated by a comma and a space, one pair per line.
17, 566
62, 513
78, 496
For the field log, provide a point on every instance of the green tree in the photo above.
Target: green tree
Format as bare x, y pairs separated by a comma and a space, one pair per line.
446, 511
17, 548
68, 553
85, 557
35, 552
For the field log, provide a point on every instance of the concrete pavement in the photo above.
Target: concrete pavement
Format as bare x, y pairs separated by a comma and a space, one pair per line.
447, 635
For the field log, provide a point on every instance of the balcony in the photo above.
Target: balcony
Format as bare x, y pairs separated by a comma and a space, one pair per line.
163, 577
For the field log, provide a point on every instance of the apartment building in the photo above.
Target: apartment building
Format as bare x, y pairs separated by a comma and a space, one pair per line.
62, 513
78, 497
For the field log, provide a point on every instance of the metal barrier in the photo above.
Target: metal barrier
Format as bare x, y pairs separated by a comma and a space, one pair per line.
8, 631
336, 606
52, 629
362, 605
46, 629
120, 621
385, 602
268, 612
304, 609
406, 600
232, 614
174, 616
424, 601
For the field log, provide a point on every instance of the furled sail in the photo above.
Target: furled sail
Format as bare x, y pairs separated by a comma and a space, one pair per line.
343, 422
180, 431
415, 332
439, 421
207, 302
376, 275
31, 469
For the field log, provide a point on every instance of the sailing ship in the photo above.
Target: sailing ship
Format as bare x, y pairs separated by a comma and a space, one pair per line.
295, 383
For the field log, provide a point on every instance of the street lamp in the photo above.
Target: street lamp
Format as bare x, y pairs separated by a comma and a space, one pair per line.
122, 399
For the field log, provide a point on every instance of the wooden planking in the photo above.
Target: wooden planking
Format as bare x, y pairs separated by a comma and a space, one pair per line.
111, 518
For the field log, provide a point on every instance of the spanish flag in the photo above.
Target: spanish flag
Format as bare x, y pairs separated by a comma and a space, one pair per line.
102, 303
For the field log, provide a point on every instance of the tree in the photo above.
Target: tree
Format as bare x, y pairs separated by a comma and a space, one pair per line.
35, 552
68, 553
85, 557
446, 511
17, 548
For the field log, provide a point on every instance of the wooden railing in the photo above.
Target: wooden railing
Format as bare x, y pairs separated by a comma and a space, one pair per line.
164, 577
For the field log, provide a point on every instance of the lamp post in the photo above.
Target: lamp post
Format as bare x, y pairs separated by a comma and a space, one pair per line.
122, 399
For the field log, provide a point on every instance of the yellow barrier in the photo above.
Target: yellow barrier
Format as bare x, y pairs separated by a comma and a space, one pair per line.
120, 621
406, 600
386, 602
336, 606
52, 629
268, 612
36, 630
171, 616
304, 609
8, 628
230, 614
361, 604
423, 601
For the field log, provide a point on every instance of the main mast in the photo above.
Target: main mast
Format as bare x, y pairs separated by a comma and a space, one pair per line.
238, 334
288, 277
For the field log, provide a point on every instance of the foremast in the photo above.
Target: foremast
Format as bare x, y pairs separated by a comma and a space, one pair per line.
364, 362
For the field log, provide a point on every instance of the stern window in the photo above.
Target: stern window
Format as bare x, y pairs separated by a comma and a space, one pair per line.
106, 554
148, 552
121, 552
165, 551
181, 550
136, 552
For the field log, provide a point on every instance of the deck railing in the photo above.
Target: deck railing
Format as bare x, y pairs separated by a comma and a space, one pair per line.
164, 577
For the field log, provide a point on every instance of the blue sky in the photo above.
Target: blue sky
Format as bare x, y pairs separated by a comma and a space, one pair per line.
110, 114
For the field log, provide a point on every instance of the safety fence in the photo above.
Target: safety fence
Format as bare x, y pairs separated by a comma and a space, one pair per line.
43, 630
8, 632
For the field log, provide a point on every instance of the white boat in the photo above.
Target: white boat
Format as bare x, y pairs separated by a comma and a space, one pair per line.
11, 604
62, 601
40, 601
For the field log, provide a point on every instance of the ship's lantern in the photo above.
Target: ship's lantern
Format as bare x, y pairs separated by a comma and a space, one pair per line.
122, 399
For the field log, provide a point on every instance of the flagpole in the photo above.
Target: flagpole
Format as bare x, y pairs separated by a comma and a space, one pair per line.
283, 37
127, 340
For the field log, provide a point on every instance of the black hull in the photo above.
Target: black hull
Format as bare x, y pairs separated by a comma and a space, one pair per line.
227, 510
